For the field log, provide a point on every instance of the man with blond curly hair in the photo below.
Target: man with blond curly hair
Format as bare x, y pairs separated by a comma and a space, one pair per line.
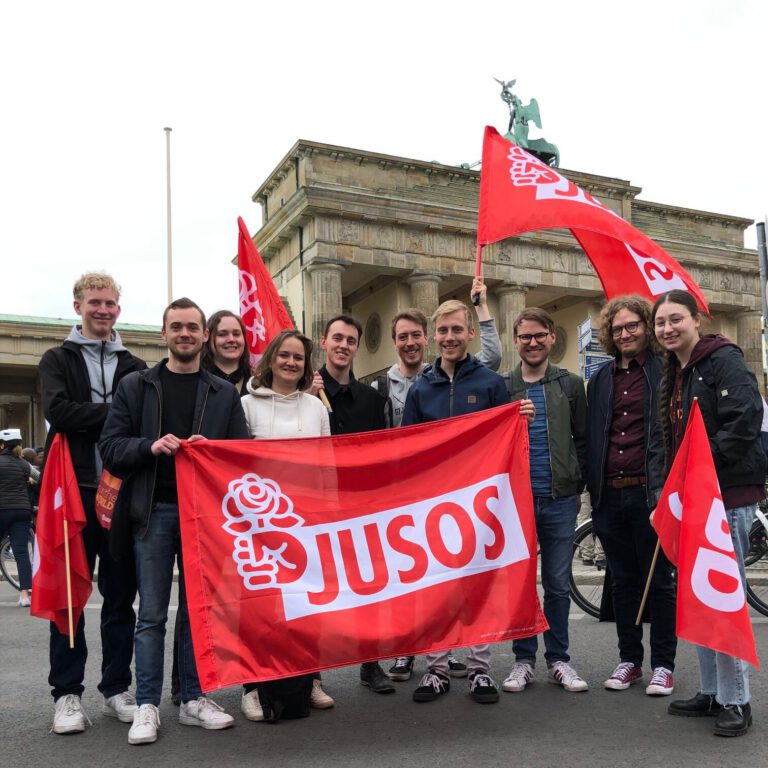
624, 477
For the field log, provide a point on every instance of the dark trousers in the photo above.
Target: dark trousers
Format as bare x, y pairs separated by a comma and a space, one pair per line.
622, 525
18, 522
117, 585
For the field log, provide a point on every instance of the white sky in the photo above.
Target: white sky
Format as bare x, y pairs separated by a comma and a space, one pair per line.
668, 95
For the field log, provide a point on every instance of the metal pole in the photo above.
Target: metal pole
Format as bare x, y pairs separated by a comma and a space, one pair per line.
762, 258
168, 209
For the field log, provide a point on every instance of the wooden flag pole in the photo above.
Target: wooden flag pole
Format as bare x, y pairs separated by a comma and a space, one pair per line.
478, 271
69, 585
639, 619
324, 399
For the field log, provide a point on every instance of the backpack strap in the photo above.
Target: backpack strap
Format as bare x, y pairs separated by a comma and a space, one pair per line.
382, 387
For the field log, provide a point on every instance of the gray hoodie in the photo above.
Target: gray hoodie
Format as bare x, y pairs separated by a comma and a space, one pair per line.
489, 356
101, 361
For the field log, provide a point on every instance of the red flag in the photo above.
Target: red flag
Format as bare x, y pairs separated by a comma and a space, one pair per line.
519, 193
693, 530
59, 501
263, 313
306, 554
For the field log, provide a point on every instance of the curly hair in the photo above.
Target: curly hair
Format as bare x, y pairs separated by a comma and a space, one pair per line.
262, 375
640, 306
94, 281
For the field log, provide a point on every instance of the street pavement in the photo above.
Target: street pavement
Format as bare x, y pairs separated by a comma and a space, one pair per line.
543, 726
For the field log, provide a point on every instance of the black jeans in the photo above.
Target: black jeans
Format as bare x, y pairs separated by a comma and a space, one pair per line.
622, 525
117, 585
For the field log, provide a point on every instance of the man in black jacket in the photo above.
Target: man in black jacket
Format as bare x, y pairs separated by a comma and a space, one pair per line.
625, 464
78, 380
355, 407
152, 413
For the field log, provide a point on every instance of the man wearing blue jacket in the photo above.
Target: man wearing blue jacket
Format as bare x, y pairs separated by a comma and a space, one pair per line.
152, 412
454, 385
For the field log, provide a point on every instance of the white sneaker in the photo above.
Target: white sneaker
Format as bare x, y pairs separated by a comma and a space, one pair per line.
521, 674
250, 706
562, 673
204, 713
319, 699
24, 602
121, 705
69, 716
146, 721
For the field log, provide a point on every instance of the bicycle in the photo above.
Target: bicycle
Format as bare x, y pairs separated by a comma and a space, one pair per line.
8, 567
588, 566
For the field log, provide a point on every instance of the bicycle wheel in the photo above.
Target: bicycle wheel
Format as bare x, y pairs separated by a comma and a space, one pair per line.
8, 565
756, 568
587, 570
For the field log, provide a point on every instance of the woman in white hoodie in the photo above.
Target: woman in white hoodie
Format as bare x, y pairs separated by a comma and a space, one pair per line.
278, 407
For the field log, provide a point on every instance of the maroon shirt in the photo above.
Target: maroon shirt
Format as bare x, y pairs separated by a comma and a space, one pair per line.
625, 456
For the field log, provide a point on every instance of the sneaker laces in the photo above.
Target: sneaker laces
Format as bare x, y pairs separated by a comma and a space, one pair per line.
520, 672
403, 661
433, 679
147, 715
660, 676
71, 705
564, 672
204, 704
481, 679
623, 669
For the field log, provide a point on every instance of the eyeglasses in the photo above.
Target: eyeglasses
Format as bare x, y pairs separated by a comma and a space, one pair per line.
630, 328
674, 320
527, 338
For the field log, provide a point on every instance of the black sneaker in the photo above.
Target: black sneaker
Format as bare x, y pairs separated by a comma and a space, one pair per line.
482, 688
402, 668
733, 720
455, 667
432, 685
372, 675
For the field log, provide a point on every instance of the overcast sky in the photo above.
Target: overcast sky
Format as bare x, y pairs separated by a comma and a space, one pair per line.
668, 95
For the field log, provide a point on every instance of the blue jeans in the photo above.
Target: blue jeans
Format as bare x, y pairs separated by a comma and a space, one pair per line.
155, 556
17, 522
726, 677
555, 526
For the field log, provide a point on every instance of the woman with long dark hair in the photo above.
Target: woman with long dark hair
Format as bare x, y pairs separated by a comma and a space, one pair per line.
226, 354
277, 406
16, 506
711, 368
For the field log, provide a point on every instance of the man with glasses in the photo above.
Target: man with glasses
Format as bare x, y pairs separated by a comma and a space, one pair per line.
625, 464
557, 457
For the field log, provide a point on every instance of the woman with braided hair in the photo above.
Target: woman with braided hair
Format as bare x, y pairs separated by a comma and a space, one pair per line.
711, 368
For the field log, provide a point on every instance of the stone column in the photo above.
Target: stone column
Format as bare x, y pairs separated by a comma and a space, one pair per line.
326, 301
749, 336
424, 292
511, 303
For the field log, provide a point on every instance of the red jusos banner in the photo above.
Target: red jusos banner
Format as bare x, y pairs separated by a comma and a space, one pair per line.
306, 554
519, 193
263, 313
693, 530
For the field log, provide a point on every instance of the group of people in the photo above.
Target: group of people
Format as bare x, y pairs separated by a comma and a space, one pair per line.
618, 437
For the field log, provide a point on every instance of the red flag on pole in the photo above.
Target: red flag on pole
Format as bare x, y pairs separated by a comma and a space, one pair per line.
519, 193
306, 554
693, 530
263, 313
59, 502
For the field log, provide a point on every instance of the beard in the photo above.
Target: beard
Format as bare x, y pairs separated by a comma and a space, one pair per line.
185, 356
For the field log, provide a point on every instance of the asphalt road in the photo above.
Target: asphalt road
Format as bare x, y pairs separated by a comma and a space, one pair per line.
544, 726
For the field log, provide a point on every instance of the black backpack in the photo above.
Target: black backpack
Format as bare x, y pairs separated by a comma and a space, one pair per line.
285, 699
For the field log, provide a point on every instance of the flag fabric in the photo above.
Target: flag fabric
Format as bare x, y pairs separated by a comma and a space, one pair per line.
59, 501
306, 554
693, 530
263, 313
519, 193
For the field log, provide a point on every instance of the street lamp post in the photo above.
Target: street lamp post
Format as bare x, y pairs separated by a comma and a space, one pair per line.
168, 209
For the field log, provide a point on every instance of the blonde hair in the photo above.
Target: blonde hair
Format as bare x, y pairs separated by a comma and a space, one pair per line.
451, 306
94, 281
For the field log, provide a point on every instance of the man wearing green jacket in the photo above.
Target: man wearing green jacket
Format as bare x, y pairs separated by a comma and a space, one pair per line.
558, 471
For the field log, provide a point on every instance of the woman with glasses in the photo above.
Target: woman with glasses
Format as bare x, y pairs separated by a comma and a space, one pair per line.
712, 369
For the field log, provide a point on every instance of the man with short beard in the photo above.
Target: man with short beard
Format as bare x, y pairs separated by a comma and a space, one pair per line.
152, 413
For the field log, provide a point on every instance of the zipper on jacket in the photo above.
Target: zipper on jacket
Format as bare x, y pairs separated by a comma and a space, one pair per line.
450, 400
154, 472
103, 379
202, 410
